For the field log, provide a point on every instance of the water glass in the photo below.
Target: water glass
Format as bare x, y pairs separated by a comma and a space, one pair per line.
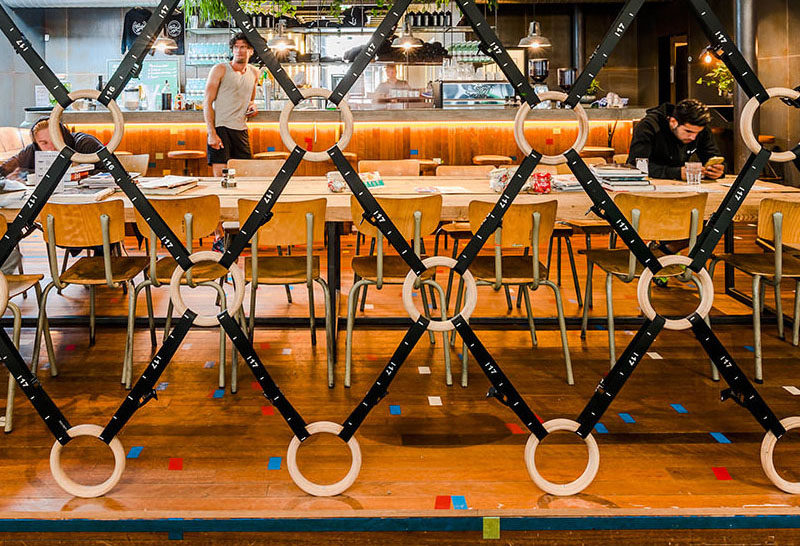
694, 172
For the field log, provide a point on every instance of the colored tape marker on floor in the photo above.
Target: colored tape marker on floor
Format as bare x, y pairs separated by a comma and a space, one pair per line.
491, 528
721, 438
69, 347
515, 428
286, 352
394, 410
255, 385
209, 364
219, 393
459, 502
679, 408
175, 463
749, 348
162, 386
135, 452
267, 410
626, 417
424, 370
442, 502
264, 345
435, 400
654, 355
721, 473
601, 428
792, 390
274, 463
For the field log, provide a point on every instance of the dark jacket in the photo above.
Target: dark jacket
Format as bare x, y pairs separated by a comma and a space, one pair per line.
654, 140
25, 159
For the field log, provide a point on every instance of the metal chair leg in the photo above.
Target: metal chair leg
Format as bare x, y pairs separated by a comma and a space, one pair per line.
779, 310
525, 296
450, 275
796, 316
11, 382
127, 367
151, 321
575, 280
448, 376
364, 290
329, 347
40, 326
91, 315
562, 325
311, 315
352, 305
459, 297
167, 321
586, 305
612, 348
426, 310
759, 378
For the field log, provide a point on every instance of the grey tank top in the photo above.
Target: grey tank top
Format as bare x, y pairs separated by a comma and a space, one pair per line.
233, 96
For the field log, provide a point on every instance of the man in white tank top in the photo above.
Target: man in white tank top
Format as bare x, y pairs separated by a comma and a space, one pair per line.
228, 102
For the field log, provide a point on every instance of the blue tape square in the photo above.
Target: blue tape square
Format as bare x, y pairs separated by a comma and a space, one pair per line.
181, 143
459, 502
135, 452
413, 152
601, 428
394, 410
274, 463
270, 148
749, 348
162, 386
219, 393
721, 438
626, 417
679, 408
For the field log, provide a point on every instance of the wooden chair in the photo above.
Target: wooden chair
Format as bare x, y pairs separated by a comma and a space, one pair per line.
292, 223
273, 155
89, 225
667, 217
563, 168
186, 156
473, 171
190, 218
19, 284
390, 167
605, 152
620, 159
414, 218
778, 232
262, 168
135, 163
525, 225
493, 160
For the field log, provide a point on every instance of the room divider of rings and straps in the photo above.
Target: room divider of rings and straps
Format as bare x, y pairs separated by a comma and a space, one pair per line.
740, 389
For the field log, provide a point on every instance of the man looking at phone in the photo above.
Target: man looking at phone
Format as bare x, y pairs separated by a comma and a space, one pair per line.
671, 134
229, 100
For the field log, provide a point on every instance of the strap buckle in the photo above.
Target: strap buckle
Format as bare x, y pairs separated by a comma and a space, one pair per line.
494, 393
730, 394
790, 102
267, 217
147, 397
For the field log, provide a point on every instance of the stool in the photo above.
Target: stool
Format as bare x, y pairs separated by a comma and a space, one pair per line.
271, 155
495, 160
186, 156
564, 231
427, 167
598, 151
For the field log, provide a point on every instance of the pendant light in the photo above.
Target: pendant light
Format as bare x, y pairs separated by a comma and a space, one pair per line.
281, 42
534, 39
406, 40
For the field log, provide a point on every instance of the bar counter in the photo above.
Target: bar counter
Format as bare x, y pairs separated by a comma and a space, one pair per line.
454, 135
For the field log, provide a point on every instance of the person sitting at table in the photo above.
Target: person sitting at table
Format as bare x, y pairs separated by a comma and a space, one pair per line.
18, 166
671, 134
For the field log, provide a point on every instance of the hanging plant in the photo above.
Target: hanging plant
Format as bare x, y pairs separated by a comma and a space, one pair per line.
210, 10
720, 78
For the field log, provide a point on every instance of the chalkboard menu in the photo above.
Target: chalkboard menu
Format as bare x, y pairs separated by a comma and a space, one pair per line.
153, 77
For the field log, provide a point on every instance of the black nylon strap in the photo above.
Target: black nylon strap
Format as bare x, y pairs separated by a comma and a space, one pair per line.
30, 385
132, 62
369, 51
381, 385
600, 56
721, 219
261, 214
26, 217
264, 52
143, 390
164, 233
495, 218
611, 384
271, 390
731, 56
24, 48
373, 213
502, 389
741, 390
605, 208
494, 48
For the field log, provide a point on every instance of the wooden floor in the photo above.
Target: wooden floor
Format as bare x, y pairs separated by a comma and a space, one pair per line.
207, 455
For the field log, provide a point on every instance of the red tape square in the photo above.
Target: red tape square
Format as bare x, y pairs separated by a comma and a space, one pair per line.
721, 473
515, 428
255, 386
442, 502
175, 463
267, 410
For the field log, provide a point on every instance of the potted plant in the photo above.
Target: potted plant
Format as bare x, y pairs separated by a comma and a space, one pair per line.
720, 78
591, 92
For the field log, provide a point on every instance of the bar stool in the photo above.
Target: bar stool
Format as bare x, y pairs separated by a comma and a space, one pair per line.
768, 141
272, 155
427, 167
186, 156
495, 160
598, 151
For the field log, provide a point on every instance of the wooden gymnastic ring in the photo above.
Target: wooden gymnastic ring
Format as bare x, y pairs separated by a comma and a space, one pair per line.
58, 138
706, 298
746, 123
347, 119
233, 304
519, 128
3, 291
324, 490
573, 487
87, 491
470, 296
768, 456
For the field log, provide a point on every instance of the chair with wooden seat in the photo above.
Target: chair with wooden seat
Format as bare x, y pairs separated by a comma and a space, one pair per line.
779, 235
186, 156
19, 284
135, 163
655, 218
293, 223
563, 168
273, 155
605, 152
524, 225
190, 218
90, 225
390, 167
493, 160
414, 218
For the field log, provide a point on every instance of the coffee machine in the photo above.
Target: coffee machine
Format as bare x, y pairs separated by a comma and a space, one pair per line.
538, 70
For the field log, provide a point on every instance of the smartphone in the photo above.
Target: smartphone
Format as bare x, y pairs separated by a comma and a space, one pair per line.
716, 160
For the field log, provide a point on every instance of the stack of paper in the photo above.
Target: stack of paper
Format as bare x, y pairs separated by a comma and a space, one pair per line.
621, 177
167, 185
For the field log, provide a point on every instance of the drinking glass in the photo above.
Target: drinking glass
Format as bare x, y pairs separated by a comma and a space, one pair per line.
694, 172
